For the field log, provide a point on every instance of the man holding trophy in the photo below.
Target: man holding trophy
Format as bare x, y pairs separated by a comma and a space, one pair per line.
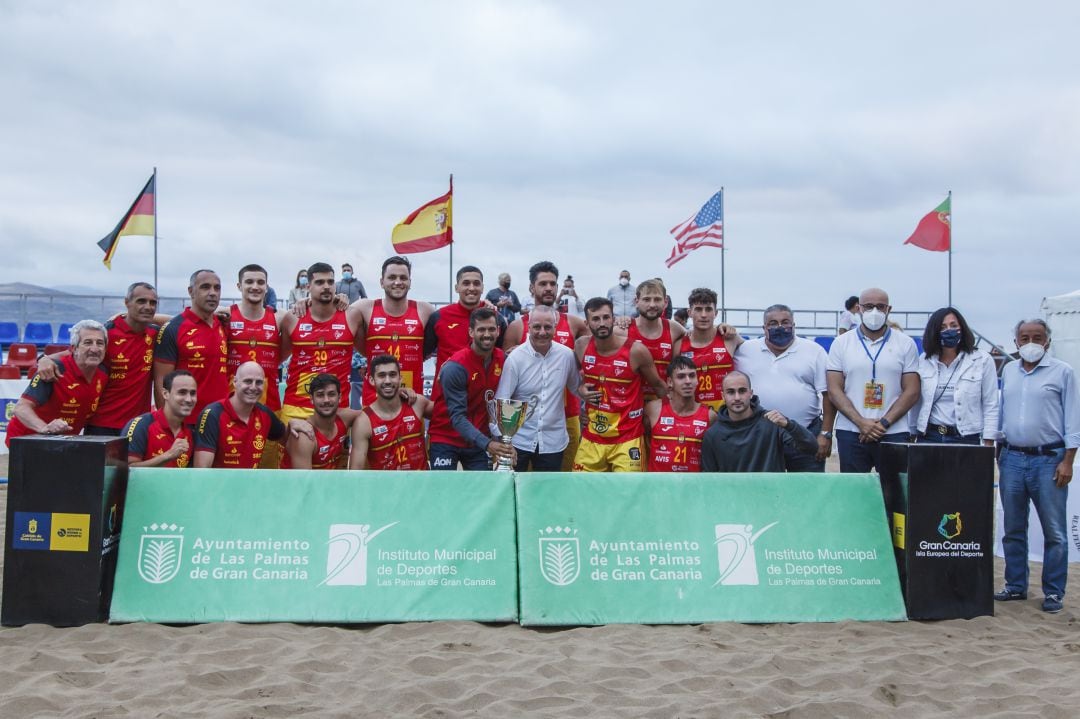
538, 372
459, 422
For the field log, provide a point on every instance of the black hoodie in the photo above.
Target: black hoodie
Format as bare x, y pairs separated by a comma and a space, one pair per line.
753, 444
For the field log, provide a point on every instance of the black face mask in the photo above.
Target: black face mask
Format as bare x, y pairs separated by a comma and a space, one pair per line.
781, 336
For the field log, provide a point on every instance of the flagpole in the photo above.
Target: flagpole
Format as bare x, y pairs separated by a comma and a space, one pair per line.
155, 230
950, 248
451, 293
723, 251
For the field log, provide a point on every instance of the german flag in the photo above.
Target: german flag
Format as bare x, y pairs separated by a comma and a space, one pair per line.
139, 220
428, 228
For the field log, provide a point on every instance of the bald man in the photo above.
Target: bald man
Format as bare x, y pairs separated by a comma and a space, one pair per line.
232, 432
873, 379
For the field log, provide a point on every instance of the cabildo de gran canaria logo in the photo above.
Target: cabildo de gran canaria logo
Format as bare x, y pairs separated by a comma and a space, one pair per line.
560, 555
950, 526
160, 554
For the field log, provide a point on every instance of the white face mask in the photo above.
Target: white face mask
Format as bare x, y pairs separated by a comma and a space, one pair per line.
1032, 352
873, 320
624, 281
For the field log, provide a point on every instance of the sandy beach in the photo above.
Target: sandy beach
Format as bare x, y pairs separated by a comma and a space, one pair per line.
1021, 662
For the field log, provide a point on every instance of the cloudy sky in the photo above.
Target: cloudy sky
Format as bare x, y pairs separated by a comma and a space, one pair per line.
286, 133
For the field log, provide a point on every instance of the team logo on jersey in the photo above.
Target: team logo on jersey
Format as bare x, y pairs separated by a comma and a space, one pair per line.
321, 342
665, 346
452, 326
700, 423
236, 325
378, 321
269, 328
619, 363
380, 430
253, 342
338, 327
589, 359
667, 421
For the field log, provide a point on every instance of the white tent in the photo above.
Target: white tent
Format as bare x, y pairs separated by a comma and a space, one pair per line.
1062, 313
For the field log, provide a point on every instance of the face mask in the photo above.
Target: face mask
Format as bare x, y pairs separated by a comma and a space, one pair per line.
303, 281
950, 338
781, 336
624, 282
1032, 352
873, 320
346, 275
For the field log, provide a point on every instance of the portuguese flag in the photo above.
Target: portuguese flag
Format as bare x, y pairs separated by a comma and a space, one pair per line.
429, 227
139, 220
934, 232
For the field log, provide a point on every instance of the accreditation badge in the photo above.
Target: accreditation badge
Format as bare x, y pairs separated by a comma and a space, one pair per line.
874, 395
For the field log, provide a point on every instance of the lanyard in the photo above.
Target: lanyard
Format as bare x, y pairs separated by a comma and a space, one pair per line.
873, 359
957, 363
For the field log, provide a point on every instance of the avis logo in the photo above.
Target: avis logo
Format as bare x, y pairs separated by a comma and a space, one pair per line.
735, 553
160, 554
950, 526
560, 555
347, 554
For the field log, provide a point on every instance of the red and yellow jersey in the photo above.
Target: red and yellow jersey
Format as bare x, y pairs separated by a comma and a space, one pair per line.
396, 443
319, 347
69, 397
236, 444
676, 440
564, 336
660, 348
617, 417
129, 361
256, 341
400, 337
328, 453
199, 347
149, 435
713, 363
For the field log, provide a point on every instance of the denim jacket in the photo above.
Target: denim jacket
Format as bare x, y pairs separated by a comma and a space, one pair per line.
975, 394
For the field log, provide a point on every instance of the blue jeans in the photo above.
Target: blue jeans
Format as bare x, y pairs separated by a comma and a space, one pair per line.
1022, 478
445, 457
541, 462
856, 456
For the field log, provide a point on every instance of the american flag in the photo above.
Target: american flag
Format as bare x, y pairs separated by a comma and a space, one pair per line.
705, 229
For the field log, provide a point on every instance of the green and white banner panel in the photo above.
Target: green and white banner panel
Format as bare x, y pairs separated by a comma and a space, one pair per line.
668, 549
316, 546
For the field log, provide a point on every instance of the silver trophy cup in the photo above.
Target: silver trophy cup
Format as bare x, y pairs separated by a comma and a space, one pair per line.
508, 415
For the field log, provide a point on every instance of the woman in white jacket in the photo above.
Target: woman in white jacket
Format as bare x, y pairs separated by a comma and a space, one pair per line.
959, 402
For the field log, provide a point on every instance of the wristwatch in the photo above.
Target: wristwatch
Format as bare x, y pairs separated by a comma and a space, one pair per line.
885, 423
827, 435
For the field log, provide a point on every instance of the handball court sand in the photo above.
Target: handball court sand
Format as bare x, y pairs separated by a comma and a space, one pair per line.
1021, 662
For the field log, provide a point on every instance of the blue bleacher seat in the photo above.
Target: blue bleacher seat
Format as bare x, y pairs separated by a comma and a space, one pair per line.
38, 333
918, 344
825, 342
63, 334
9, 334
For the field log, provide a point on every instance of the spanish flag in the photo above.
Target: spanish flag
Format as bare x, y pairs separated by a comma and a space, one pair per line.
428, 228
139, 220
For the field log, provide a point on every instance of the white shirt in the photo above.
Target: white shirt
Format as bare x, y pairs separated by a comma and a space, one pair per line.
898, 356
528, 374
848, 321
790, 382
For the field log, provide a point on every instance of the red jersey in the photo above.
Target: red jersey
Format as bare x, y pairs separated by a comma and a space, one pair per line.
713, 363
200, 348
616, 418
236, 444
660, 348
319, 347
447, 332
256, 341
564, 336
129, 359
396, 443
676, 440
403, 339
70, 397
328, 453
479, 380
149, 435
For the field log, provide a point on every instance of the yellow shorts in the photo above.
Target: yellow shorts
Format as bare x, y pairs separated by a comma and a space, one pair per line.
623, 457
292, 411
573, 430
716, 404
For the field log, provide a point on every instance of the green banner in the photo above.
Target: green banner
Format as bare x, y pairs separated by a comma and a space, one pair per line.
316, 546
666, 549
